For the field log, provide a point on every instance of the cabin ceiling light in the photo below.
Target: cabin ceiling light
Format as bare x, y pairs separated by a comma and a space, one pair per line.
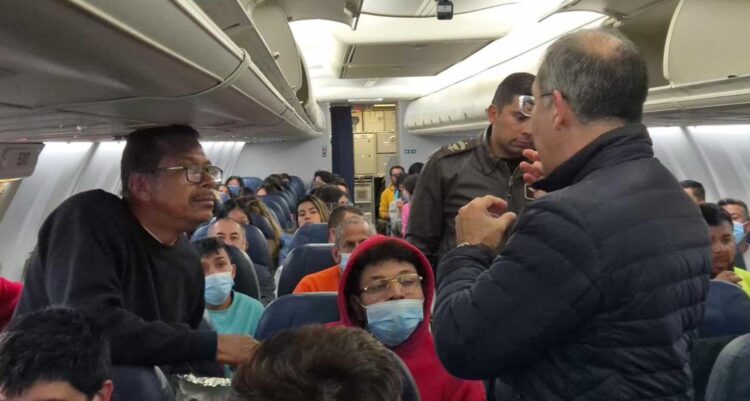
371, 82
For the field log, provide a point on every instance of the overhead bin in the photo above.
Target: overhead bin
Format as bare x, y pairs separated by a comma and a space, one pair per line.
462, 106
83, 68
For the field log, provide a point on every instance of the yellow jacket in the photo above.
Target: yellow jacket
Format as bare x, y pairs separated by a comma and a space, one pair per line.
385, 201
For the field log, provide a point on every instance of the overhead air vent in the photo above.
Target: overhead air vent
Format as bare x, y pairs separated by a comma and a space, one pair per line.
388, 60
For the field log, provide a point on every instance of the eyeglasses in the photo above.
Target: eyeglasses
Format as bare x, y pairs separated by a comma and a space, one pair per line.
408, 282
526, 103
194, 174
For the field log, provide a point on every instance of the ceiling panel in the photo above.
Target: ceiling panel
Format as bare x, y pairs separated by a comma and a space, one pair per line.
406, 59
426, 8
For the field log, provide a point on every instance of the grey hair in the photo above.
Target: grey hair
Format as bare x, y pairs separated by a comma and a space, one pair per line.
352, 221
600, 73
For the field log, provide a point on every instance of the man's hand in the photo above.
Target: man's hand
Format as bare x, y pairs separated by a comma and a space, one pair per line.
484, 221
532, 172
235, 349
728, 276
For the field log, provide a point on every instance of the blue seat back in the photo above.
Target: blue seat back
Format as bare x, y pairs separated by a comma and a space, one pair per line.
201, 232
727, 311
310, 234
252, 182
257, 246
295, 310
283, 203
140, 383
263, 225
307, 259
289, 198
246, 279
284, 220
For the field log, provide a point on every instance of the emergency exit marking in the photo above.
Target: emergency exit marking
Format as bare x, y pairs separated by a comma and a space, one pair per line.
410, 151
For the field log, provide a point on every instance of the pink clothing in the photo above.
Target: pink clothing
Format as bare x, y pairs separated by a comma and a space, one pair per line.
405, 217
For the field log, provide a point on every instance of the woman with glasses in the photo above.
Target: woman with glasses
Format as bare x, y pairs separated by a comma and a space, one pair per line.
388, 289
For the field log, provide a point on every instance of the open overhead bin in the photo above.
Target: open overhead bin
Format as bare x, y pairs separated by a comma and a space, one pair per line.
97, 68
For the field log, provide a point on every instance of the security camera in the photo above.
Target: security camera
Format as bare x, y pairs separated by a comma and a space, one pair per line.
444, 9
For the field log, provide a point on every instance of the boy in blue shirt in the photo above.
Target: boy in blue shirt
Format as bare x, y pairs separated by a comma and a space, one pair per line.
230, 312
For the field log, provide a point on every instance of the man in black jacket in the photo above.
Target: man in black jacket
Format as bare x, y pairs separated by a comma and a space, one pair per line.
127, 263
599, 290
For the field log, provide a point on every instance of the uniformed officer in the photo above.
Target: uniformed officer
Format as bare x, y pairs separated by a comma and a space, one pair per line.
485, 165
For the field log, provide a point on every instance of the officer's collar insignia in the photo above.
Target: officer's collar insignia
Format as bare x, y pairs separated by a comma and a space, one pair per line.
457, 146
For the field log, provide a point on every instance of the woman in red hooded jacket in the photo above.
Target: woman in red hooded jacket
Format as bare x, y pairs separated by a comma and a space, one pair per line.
388, 288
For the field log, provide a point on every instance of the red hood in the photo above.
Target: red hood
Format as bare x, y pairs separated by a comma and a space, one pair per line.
353, 265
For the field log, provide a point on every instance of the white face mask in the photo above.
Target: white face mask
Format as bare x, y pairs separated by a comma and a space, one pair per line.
344, 260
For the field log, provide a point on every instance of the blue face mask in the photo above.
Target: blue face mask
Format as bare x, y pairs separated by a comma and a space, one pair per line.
234, 189
344, 261
392, 322
739, 232
218, 288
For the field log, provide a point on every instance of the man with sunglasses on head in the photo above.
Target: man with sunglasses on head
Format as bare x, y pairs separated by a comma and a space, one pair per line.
127, 263
485, 165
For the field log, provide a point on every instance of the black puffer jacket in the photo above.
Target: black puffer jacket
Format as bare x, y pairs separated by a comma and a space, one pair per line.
598, 292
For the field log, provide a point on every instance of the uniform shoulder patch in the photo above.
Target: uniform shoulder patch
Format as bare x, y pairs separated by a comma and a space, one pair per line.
461, 146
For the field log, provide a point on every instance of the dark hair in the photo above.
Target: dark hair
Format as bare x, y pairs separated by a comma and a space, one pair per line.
416, 168
269, 188
322, 209
736, 202
600, 73
275, 181
401, 179
390, 172
513, 85
285, 176
53, 344
329, 194
697, 188
145, 148
339, 180
210, 246
382, 252
410, 182
715, 215
338, 213
306, 364
230, 205
325, 176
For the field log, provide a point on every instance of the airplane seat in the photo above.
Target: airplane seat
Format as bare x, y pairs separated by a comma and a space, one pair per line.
307, 259
310, 234
140, 383
728, 380
201, 232
702, 357
295, 310
727, 311
276, 209
289, 198
283, 203
263, 225
410, 391
257, 246
246, 279
252, 182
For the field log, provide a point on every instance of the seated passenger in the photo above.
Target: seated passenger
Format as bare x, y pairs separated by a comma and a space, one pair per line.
235, 211
127, 263
54, 354
332, 196
10, 293
349, 234
321, 178
310, 210
230, 312
723, 247
737, 209
306, 364
233, 234
236, 186
223, 189
338, 215
388, 288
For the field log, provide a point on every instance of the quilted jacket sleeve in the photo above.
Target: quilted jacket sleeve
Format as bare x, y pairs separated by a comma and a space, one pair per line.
492, 317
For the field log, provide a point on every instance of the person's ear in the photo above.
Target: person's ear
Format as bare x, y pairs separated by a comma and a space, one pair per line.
562, 111
336, 255
141, 186
105, 393
492, 113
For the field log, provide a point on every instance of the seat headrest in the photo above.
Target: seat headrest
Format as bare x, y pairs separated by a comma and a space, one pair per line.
304, 260
257, 246
311, 234
295, 310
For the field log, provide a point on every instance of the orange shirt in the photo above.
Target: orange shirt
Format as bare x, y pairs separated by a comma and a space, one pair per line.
324, 280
